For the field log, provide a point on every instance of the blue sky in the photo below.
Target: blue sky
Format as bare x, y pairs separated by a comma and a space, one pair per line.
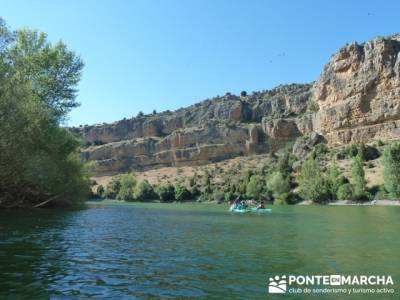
166, 54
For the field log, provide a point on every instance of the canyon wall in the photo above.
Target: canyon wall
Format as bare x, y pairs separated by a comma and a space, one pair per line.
356, 99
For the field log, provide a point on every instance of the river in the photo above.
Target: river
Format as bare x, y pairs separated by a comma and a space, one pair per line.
153, 251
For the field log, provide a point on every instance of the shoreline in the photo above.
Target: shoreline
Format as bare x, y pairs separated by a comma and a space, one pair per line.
303, 203
354, 203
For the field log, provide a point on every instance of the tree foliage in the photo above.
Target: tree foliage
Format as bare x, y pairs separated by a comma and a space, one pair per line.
127, 187
182, 193
278, 184
144, 191
112, 189
335, 180
358, 177
345, 192
166, 192
254, 187
40, 162
312, 184
391, 173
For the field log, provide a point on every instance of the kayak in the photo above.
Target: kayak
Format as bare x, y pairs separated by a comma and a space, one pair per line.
238, 210
261, 210
253, 210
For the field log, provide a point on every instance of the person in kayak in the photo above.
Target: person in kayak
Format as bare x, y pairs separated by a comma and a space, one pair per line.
235, 203
242, 205
261, 205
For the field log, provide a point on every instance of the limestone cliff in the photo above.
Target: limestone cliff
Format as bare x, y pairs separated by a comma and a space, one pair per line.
356, 99
358, 93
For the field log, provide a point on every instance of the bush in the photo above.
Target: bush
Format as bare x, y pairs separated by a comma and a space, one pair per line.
182, 193
229, 196
365, 152
128, 183
144, 191
100, 191
371, 153
358, 177
286, 198
241, 189
313, 106
292, 198
254, 187
320, 150
335, 179
345, 192
140, 114
391, 172
312, 184
218, 195
278, 184
281, 200
352, 150
194, 191
112, 189
166, 192
283, 165
207, 183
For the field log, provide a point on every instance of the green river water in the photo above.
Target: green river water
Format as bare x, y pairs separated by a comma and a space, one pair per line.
186, 251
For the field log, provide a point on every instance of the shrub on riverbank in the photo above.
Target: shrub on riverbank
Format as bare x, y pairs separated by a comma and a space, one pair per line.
278, 184
345, 192
127, 186
144, 191
165, 192
254, 187
112, 189
182, 193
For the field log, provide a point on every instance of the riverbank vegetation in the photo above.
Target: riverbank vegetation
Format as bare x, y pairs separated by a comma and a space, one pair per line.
39, 159
282, 178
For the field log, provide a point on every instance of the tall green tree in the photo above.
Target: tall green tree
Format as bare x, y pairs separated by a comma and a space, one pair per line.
40, 161
312, 183
144, 191
283, 164
334, 178
112, 188
127, 187
358, 177
391, 173
278, 184
254, 187
54, 71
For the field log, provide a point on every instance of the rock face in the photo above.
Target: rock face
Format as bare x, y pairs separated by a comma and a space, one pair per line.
358, 93
212, 130
356, 99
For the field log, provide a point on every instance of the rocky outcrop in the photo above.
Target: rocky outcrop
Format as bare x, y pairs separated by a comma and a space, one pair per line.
212, 130
192, 146
358, 93
356, 99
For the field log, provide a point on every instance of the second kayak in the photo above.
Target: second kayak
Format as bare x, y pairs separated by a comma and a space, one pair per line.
261, 210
